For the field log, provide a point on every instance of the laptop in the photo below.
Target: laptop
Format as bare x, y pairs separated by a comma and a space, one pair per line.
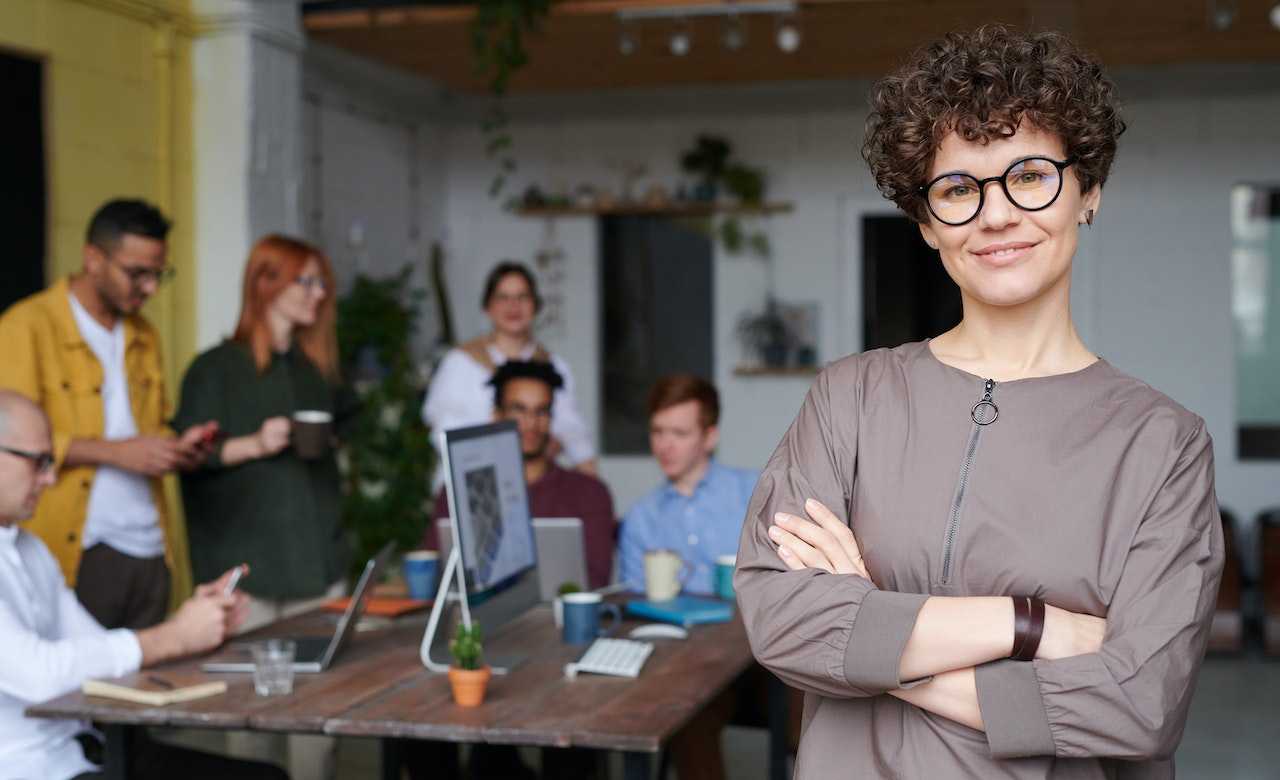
560, 548
315, 654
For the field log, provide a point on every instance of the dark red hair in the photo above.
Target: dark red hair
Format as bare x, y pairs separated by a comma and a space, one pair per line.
276, 262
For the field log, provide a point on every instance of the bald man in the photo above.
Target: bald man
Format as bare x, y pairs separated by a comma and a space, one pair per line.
49, 644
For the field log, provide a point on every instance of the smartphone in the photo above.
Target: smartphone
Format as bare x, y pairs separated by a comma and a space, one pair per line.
234, 581
212, 435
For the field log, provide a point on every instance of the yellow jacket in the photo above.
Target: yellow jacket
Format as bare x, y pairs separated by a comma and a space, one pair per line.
43, 356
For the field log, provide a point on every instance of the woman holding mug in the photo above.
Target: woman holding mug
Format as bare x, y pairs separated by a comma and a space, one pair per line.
259, 498
992, 553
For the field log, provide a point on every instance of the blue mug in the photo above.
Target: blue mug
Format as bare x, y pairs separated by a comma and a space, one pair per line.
724, 576
582, 617
420, 569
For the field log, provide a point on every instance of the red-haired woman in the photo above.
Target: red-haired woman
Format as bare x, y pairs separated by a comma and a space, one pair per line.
256, 500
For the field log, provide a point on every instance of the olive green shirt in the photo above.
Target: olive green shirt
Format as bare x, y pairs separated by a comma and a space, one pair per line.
280, 514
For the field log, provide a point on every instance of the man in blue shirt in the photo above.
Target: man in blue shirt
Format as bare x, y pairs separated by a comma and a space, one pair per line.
697, 513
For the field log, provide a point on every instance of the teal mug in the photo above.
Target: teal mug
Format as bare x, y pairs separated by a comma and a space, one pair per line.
724, 576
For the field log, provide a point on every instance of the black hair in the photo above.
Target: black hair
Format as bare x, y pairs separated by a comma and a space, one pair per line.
524, 369
510, 267
121, 216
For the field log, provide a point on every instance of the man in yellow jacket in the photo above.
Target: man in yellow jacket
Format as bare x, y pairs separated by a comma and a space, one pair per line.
84, 353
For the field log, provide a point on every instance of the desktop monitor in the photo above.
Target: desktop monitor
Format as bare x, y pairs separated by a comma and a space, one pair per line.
488, 503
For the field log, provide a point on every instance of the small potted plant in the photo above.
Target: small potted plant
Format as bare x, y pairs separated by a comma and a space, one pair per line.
766, 335
706, 160
468, 677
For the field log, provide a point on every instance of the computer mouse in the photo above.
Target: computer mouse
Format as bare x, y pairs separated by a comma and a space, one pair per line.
658, 631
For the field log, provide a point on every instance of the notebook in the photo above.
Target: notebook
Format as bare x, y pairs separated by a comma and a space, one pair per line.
153, 690
683, 610
380, 606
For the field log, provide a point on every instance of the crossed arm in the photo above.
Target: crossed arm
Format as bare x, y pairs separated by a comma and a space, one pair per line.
952, 635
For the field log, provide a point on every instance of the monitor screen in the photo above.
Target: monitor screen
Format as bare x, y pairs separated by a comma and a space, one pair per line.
489, 502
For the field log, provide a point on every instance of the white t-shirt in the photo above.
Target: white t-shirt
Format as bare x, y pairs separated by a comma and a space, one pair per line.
459, 396
121, 512
51, 646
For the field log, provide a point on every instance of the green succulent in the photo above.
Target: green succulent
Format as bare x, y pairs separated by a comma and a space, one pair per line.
466, 646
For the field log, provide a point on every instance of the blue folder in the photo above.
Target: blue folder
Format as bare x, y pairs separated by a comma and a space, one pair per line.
683, 610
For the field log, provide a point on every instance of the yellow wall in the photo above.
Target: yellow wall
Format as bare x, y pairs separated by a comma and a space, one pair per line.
117, 123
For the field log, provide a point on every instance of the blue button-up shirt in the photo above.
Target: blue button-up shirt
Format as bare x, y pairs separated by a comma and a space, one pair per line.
699, 528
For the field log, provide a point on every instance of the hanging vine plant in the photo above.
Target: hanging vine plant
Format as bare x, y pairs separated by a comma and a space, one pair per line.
498, 42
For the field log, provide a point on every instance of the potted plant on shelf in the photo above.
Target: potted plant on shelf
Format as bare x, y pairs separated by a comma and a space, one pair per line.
467, 676
706, 160
766, 336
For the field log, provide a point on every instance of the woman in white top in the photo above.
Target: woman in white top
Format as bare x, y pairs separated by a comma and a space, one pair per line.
459, 394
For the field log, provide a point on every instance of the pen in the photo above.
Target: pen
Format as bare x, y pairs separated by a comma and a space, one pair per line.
163, 683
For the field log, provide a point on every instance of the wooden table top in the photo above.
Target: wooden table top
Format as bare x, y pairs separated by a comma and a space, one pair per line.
379, 688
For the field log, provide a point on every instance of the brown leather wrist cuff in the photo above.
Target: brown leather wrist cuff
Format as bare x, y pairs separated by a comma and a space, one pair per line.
1021, 622
1028, 627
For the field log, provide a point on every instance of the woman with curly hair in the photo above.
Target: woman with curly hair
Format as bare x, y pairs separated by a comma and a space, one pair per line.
991, 553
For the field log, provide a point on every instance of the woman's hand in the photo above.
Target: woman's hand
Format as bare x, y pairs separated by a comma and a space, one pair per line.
273, 436
820, 541
1069, 633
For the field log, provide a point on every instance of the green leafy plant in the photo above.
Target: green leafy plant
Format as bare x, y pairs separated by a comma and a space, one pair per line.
386, 457
498, 43
567, 588
707, 159
467, 646
711, 160
745, 183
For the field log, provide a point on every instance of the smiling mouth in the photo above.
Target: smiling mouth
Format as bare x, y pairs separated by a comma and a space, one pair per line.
1004, 252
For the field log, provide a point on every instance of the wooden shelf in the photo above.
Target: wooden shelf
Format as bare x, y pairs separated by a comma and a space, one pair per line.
687, 209
794, 371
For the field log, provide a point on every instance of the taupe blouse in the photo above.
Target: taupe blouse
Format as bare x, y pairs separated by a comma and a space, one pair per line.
1089, 490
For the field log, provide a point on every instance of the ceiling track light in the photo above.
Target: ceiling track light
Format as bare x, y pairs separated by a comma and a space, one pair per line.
1222, 14
681, 40
628, 43
734, 36
788, 33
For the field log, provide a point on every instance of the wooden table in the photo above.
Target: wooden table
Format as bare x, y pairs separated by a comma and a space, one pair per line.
379, 688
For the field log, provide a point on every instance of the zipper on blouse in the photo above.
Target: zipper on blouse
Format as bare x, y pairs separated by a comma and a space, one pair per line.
984, 413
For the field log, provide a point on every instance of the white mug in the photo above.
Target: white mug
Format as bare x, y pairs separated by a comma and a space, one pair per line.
664, 575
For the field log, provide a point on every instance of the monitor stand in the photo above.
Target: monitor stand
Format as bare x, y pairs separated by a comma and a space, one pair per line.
454, 575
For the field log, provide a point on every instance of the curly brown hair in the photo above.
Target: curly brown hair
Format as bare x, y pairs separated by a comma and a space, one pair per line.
982, 85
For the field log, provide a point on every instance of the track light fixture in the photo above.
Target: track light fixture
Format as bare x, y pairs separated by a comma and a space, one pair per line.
1222, 14
788, 33
734, 34
681, 40
627, 42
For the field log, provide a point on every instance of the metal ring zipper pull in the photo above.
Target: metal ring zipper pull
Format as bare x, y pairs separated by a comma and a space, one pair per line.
985, 411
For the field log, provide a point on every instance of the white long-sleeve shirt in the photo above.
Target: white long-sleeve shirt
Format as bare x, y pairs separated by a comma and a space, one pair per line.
459, 396
49, 645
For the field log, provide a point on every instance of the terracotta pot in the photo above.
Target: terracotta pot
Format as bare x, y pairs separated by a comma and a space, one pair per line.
469, 685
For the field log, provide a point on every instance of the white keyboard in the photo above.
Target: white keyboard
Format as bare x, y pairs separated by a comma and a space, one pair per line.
618, 657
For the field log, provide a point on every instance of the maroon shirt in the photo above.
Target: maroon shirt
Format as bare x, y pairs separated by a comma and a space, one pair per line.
564, 493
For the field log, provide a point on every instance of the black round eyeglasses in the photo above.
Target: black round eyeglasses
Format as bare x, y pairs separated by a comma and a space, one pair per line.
1031, 184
